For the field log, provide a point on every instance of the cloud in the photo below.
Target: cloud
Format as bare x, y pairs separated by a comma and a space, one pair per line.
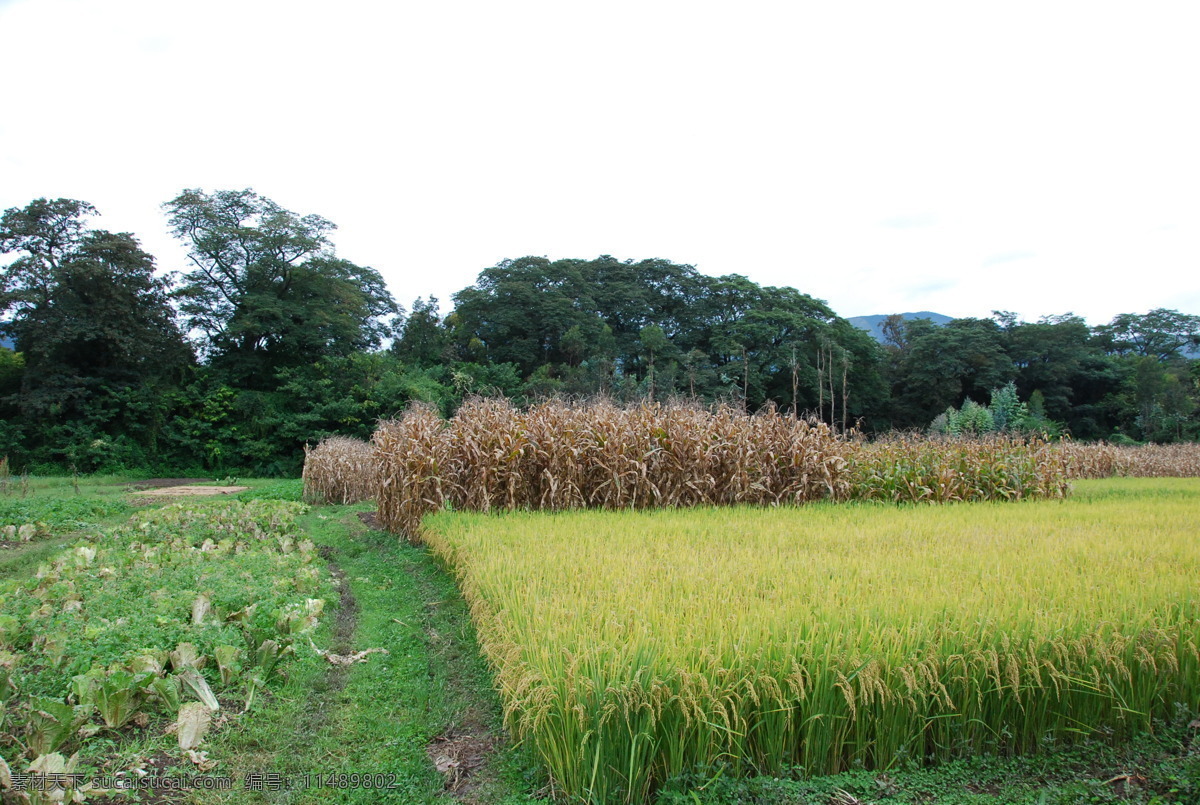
1007, 257
933, 286
910, 221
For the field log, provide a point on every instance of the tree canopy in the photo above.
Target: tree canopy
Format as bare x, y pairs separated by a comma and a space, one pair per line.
267, 291
92, 321
290, 340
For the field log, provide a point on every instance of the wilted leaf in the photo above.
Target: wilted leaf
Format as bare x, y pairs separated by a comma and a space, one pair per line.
228, 662
201, 760
185, 656
200, 609
347, 659
445, 764
148, 662
192, 680
243, 615
192, 724
52, 763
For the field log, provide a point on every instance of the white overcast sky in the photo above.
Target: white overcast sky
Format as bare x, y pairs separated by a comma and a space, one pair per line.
885, 157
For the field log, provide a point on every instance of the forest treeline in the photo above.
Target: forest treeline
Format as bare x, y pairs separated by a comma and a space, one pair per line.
269, 340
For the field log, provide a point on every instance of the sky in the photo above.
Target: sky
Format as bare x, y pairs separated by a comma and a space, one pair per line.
1040, 158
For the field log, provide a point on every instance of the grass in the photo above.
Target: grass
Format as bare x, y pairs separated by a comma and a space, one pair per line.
202, 599
1159, 768
633, 647
382, 715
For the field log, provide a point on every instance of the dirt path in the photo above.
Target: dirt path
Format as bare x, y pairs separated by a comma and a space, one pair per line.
344, 625
463, 748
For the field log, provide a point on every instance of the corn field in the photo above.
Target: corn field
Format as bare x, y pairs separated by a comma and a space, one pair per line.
630, 647
555, 456
340, 470
1102, 460
920, 469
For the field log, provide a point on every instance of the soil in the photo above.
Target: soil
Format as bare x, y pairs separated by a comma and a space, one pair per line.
344, 624
159, 483
461, 753
183, 491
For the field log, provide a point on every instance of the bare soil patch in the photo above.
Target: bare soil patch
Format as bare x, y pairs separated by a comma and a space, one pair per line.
460, 753
184, 491
160, 483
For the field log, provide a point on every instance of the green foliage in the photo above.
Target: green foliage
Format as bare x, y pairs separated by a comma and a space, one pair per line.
268, 291
290, 490
655, 329
98, 340
423, 341
1161, 334
1153, 769
1004, 414
1008, 413
60, 512
207, 578
941, 367
105, 382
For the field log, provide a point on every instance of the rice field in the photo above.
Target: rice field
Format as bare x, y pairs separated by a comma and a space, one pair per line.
632, 646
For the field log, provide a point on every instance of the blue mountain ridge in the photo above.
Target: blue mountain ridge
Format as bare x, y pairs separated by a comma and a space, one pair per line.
874, 324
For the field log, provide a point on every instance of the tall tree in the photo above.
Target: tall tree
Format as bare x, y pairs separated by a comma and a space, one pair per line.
91, 319
939, 367
423, 340
267, 291
1160, 334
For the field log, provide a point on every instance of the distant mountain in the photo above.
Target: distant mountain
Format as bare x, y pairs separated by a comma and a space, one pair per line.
874, 324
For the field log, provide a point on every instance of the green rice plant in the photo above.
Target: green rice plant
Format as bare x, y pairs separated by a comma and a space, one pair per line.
632, 647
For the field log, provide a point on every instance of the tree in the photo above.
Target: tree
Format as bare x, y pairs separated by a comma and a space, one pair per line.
654, 344
1160, 334
92, 321
267, 291
940, 367
423, 341
1060, 357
